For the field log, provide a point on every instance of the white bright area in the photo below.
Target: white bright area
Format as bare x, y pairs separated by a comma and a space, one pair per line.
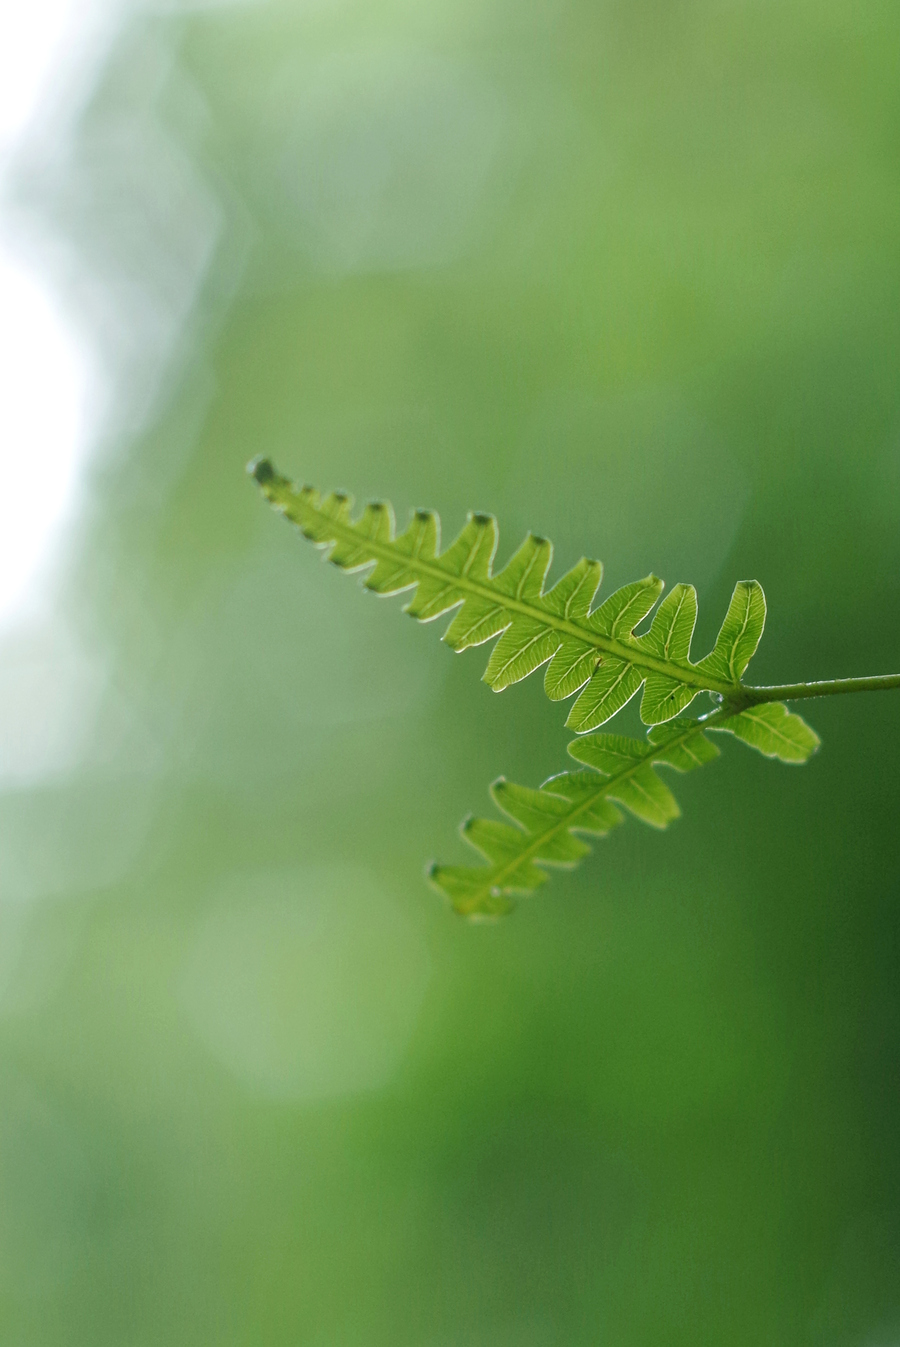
49, 379
107, 231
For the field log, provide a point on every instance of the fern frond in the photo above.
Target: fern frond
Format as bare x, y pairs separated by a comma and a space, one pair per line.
592, 651
545, 823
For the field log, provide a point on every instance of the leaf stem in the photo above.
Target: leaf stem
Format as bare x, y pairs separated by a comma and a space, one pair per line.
829, 687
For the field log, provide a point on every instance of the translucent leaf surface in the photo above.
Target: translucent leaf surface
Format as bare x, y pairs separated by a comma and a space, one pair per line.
621, 771
740, 633
774, 731
589, 650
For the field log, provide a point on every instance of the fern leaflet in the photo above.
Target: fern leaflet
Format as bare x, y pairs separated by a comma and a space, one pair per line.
593, 651
621, 771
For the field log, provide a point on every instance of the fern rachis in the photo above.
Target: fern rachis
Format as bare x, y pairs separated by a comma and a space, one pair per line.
594, 651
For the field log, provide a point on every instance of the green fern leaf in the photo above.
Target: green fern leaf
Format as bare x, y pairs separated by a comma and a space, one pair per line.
590, 651
622, 772
773, 730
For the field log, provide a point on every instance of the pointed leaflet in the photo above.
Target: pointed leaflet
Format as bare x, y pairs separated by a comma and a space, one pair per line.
594, 650
571, 598
683, 753
481, 618
574, 802
670, 638
569, 669
739, 635
466, 562
773, 730
633, 781
531, 809
626, 607
613, 684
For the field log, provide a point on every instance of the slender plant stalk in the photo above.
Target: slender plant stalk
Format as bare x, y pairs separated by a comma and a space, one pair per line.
828, 687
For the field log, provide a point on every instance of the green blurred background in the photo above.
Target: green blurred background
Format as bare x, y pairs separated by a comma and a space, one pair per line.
626, 274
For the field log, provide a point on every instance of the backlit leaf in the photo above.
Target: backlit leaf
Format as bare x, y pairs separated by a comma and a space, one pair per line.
590, 650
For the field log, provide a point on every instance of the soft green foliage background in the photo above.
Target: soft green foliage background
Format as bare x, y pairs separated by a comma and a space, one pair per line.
625, 274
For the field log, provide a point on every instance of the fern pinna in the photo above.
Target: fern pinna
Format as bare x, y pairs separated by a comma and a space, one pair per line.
593, 651
621, 770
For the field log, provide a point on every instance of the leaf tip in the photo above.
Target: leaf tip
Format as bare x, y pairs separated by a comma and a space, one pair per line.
260, 468
575, 721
